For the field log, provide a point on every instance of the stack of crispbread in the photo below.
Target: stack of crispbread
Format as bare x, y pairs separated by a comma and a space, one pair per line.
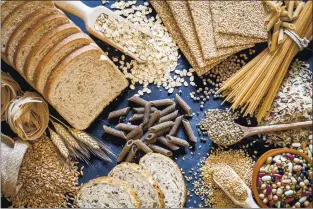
208, 32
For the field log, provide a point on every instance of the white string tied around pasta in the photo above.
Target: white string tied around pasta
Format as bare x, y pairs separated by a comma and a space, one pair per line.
301, 42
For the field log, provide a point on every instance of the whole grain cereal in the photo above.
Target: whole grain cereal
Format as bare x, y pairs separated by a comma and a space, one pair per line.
293, 103
47, 181
204, 186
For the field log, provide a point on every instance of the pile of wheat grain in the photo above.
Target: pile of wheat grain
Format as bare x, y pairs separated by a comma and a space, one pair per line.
47, 181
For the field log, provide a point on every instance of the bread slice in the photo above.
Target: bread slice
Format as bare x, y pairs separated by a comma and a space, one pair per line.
107, 192
55, 55
166, 172
23, 28
19, 14
82, 84
34, 35
48, 41
7, 7
147, 188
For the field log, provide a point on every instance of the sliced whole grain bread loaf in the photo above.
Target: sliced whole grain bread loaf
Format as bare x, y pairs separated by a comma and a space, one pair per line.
82, 84
48, 41
7, 7
55, 55
166, 172
34, 35
107, 192
23, 28
19, 14
148, 189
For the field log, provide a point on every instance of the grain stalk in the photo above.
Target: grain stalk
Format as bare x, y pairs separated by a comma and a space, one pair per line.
59, 144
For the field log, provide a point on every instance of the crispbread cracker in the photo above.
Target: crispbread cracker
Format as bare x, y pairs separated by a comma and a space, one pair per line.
182, 16
244, 18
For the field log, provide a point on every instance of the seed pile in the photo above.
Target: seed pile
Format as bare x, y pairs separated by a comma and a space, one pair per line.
219, 125
231, 182
159, 52
293, 103
154, 126
47, 182
204, 186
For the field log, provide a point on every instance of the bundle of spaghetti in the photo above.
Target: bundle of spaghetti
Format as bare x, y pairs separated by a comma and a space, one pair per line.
255, 86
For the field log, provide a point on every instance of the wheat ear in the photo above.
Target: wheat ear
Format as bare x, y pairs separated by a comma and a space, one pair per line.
59, 143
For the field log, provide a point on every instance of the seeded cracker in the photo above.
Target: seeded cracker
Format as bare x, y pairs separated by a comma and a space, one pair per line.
182, 16
244, 18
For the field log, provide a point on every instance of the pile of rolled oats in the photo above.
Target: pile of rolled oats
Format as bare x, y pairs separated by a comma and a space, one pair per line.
159, 52
293, 103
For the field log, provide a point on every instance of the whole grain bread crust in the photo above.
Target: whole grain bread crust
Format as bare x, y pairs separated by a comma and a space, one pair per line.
24, 27
176, 167
41, 44
30, 33
50, 55
112, 181
149, 177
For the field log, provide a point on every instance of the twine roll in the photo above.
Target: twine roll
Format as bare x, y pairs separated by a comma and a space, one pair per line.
28, 116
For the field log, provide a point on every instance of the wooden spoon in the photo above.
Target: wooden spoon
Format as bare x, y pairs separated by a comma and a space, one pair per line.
248, 203
90, 15
251, 131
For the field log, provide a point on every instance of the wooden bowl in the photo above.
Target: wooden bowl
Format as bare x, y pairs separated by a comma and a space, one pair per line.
262, 160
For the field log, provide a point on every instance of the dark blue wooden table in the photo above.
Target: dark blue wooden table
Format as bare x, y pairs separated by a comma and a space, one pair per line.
192, 156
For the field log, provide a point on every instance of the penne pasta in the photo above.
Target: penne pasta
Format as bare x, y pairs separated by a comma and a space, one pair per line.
269, 39
288, 25
273, 5
136, 133
163, 131
272, 22
270, 16
142, 146
290, 8
119, 113
176, 125
160, 150
132, 153
299, 8
161, 126
183, 105
154, 117
274, 41
142, 109
280, 35
168, 110
189, 131
177, 141
137, 100
285, 19
125, 127
151, 138
166, 142
146, 113
114, 132
169, 117
125, 150
162, 102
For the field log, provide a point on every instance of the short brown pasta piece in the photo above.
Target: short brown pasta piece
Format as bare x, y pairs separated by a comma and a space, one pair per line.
175, 127
132, 153
125, 127
151, 138
138, 100
168, 110
136, 117
114, 132
160, 150
119, 113
161, 126
183, 105
146, 113
154, 117
142, 146
162, 102
163, 131
177, 141
136, 133
142, 109
189, 131
125, 150
168, 144
169, 117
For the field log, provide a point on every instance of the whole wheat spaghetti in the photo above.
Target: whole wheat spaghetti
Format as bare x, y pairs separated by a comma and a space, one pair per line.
255, 86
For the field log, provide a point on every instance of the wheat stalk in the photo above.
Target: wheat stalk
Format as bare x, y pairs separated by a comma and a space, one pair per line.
59, 143
85, 138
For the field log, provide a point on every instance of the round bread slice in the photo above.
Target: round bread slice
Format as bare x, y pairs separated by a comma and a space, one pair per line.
107, 192
19, 14
7, 7
82, 84
147, 188
55, 55
171, 181
43, 46
23, 28
34, 35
